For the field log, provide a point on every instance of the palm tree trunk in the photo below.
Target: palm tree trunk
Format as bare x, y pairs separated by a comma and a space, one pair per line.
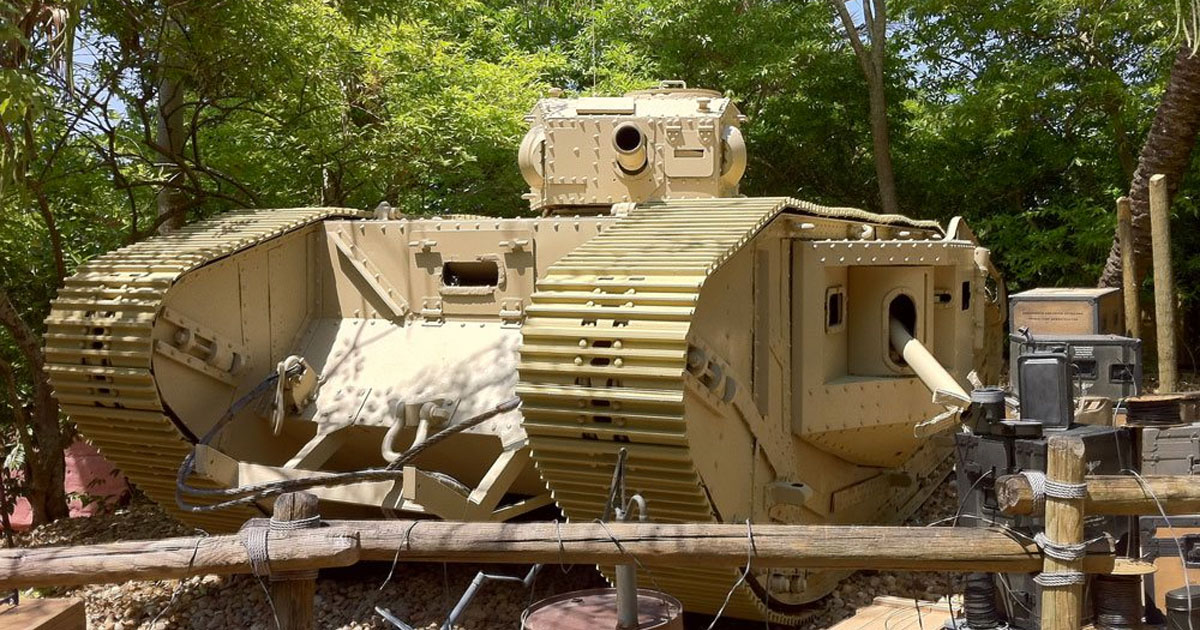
1168, 150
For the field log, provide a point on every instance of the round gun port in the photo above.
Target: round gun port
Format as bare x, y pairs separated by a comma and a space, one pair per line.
630, 144
902, 317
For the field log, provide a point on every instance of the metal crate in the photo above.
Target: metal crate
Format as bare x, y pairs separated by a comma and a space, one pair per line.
1102, 365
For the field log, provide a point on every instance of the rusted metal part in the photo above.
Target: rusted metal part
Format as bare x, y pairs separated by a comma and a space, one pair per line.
597, 608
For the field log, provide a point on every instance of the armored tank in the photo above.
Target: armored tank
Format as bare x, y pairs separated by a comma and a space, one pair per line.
748, 359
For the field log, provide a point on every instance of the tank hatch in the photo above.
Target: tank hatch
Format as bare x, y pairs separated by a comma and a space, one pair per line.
587, 153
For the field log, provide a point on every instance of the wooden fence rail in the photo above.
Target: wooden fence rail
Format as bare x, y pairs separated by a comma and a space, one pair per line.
342, 543
1113, 495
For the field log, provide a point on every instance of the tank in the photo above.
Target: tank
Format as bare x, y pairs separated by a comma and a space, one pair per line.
757, 359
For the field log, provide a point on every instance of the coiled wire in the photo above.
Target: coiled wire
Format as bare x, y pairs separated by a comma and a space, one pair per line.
249, 494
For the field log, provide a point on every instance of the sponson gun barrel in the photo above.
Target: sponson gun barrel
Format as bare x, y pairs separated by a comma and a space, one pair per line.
928, 369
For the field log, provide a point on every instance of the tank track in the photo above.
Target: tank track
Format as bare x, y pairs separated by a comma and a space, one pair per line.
647, 271
99, 347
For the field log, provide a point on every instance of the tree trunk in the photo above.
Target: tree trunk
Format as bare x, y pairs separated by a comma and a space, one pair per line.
882, 144
870, 60
1168, 150
172, 202
47, 469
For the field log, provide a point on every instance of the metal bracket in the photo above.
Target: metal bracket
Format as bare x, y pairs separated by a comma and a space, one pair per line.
388, 295
201, 348
431, 311
425, 244
445, 498
514, 245
512, 313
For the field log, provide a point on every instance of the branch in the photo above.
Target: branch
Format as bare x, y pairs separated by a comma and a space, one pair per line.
860, 51
20, 418
26, 340
878, 26
160, 219
60, 266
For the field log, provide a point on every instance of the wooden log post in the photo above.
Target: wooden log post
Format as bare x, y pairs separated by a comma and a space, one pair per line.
1164, 284
292, 592
1062, 578
1111, 495
1129, 283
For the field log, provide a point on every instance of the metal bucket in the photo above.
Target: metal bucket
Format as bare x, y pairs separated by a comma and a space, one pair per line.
596, 609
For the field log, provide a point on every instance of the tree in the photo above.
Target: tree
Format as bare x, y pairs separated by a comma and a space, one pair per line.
870, 54
35, 417
1167, 150
170, 133
38, 426
1026, 117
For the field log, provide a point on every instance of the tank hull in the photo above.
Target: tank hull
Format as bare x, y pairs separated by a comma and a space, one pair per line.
696, 335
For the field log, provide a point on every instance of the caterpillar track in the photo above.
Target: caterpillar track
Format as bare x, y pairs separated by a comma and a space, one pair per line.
99, 346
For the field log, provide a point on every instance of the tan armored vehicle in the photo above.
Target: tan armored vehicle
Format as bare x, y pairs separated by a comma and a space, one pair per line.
757, 358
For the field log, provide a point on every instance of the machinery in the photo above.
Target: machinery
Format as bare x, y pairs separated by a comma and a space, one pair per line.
758, 359
1055, 388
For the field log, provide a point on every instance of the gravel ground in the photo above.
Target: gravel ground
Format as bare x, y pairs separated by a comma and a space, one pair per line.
418, 593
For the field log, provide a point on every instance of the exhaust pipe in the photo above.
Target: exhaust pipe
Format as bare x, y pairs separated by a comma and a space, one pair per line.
630, 144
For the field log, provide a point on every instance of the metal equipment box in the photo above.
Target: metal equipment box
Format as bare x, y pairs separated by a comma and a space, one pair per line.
980, 459
1056, 311
1174, 549
1171, 450
1101, 365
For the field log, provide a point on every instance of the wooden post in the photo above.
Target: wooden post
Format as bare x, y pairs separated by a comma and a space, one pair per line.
1129, 283
1062, 605
1164, 284
292, 593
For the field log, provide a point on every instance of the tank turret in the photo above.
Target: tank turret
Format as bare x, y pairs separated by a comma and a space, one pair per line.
670, 142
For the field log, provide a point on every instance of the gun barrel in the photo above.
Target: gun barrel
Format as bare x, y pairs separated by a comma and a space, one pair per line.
940, 382
630, 143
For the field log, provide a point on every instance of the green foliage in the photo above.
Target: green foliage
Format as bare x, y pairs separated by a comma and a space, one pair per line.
1014, 114
1022, 113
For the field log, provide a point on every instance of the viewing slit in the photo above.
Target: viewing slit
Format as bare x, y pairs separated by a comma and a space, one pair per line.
480, 273
904, 310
